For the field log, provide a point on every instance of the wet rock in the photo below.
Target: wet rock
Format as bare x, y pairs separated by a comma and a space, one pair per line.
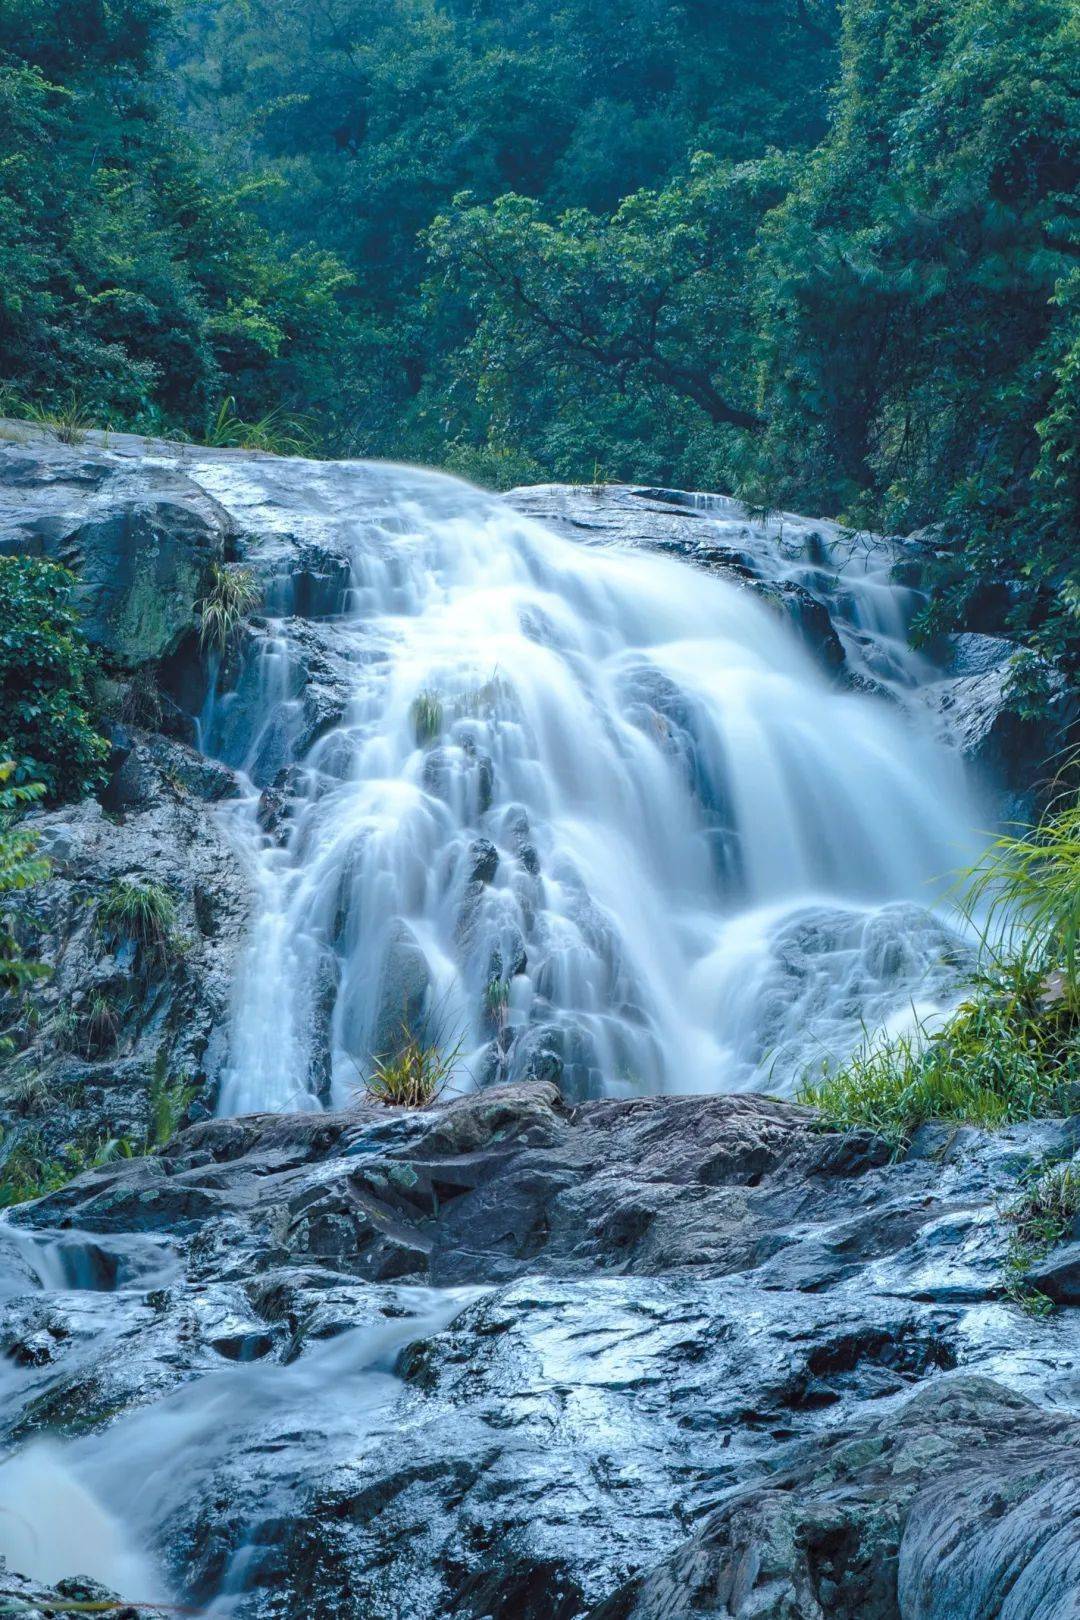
404, 982
110, 1014
483, 859
964, 1501
1017, 754
462, 776
810, 617
139, 537
1058, 1275
694, 1356
277, 800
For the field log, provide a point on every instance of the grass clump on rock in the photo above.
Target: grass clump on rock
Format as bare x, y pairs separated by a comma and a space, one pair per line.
426, 713
414, 1076
232, 595
144, 912
1041, 1217
1011, 1050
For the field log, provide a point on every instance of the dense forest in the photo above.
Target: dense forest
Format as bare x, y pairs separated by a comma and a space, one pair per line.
821, 257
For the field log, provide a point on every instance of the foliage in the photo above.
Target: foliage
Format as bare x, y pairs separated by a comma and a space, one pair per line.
28, 1170
371, 118
642, 242
233, 594
999, 1059
415, 1075
20, 867
918, 298
278, 433
1042, 1216
169, 1101
135, 280
426, 713
1011, 1051
46, 669
143, 912
1028, 884
886, 329
69, 421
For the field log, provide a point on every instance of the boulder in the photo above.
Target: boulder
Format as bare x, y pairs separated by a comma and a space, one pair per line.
140, 537
404, 982
961, 1504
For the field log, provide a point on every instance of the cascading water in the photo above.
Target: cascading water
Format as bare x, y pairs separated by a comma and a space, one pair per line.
95, 1505
588, 813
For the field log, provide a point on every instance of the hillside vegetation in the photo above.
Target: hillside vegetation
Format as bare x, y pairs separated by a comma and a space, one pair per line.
823, 257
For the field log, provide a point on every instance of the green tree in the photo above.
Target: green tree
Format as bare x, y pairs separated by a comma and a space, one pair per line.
375, 116
918, 301
131, 270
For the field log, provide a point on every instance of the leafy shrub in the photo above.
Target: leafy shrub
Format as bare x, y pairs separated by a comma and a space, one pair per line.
46, 670
29, 1171
232, 595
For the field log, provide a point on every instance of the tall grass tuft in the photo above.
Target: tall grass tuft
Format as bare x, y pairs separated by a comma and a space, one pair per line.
69, 421
277, 433
1028, 885
1011, 1050
233, 594
144, 912
426, 713
415, 1075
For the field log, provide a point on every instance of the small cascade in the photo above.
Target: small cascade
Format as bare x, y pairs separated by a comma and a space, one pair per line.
106, 1504
580, 812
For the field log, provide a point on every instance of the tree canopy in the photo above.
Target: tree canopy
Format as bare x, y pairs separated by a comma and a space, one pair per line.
824, 255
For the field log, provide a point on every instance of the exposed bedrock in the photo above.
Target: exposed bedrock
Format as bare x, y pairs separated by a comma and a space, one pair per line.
115, 1009
684, 1356
140, 538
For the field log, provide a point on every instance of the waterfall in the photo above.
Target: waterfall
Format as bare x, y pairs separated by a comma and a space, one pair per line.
584, 811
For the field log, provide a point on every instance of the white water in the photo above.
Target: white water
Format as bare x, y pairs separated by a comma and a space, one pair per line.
99, 1506
711, 860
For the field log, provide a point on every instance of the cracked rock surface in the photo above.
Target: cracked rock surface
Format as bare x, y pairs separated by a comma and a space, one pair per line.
513, 1357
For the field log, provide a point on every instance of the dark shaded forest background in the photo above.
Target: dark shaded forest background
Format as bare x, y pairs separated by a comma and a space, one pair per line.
825, 257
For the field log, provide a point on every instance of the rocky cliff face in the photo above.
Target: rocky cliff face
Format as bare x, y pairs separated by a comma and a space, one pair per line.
513, 1357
